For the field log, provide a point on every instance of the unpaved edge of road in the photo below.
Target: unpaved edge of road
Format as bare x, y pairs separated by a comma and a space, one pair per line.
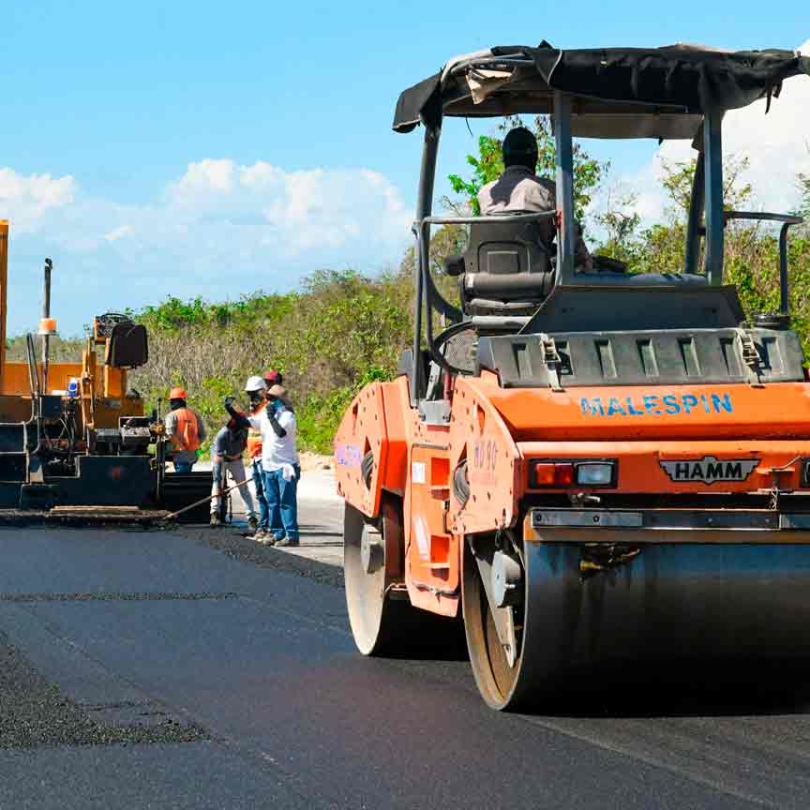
234, 545
35, 713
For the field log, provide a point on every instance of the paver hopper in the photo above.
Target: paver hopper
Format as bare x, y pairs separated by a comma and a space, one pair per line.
590, 467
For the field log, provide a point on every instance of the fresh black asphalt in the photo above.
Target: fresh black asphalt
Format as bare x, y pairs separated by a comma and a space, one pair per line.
148, 669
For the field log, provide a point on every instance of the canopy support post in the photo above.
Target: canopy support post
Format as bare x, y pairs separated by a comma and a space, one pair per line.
715, 218
695, 216
424, 208
566, 227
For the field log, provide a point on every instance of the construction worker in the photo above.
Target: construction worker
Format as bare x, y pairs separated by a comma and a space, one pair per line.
273, 377
519, 189
185, 430
280, 466
256, 389
226, 458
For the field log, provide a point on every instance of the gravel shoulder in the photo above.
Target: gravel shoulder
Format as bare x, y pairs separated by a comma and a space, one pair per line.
35, 714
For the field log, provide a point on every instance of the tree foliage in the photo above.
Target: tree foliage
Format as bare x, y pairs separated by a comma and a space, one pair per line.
341, 330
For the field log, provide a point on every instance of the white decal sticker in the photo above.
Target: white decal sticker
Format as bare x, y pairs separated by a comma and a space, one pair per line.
418, 472
422, 537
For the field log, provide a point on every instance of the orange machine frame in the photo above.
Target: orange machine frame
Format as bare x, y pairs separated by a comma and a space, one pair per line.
499, 431
102, 392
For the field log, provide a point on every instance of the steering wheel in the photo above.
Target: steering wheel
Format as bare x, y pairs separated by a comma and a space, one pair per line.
441, 344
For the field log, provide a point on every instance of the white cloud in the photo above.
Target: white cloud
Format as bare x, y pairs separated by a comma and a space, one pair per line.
118, 233
776, 145
27, 199
206, 177
254, 207
220, 229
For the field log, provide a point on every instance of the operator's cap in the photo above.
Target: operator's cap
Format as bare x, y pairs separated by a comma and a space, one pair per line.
177, 393
519, 142
255, 383
273, 377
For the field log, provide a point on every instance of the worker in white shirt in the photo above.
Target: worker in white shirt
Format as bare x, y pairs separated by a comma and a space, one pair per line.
280, 466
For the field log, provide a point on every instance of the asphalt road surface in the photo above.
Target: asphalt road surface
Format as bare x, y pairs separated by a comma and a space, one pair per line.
146, 669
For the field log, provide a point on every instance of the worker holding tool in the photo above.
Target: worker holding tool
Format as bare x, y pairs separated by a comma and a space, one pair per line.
185, 430
226, 458
256, 389
519, 189
280, 466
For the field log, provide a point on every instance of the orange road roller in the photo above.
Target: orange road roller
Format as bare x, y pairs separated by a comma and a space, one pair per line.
590, 467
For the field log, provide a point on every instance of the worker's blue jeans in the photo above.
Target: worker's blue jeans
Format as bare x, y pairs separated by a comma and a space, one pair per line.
264, 509
282, 502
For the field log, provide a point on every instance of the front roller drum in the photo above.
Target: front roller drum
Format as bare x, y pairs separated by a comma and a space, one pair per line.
383, 621
586, 615
371, 611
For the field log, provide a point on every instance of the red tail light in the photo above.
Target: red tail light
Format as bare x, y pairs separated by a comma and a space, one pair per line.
551, 474
587, 473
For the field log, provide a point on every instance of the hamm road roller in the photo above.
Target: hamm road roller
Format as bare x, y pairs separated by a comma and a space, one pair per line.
592, 468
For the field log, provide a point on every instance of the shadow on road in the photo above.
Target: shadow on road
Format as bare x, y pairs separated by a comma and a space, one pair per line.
693, 689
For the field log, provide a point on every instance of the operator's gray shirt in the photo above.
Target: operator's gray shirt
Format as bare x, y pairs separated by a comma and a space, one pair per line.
229, 444
520, 189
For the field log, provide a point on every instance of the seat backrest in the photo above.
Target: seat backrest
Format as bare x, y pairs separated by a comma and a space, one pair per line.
503, 248
127, 346
507, 268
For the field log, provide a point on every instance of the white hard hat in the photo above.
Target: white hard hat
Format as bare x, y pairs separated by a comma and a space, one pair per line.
255, 383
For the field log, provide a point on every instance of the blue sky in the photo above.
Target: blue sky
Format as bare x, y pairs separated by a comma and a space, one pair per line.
213, 149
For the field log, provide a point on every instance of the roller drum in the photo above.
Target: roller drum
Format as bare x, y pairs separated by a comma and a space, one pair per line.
670, 605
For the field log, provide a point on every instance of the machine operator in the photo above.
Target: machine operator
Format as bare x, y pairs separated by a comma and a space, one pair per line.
519, 189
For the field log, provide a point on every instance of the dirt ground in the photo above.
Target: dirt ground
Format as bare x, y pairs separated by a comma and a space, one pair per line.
315, 461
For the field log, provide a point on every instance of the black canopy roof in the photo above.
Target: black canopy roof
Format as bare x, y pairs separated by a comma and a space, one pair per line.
617, 92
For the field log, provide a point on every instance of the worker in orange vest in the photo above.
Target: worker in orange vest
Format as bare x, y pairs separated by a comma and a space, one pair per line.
185, 430
256, 389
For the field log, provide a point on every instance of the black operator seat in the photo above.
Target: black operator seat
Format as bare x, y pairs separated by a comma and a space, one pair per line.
506, 269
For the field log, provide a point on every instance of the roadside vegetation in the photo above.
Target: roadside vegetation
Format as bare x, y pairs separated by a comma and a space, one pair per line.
343, 329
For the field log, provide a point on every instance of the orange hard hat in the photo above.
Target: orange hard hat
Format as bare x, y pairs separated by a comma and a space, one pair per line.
177, 393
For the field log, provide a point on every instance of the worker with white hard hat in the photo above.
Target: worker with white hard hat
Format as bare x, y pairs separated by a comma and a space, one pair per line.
281, 469
256, 389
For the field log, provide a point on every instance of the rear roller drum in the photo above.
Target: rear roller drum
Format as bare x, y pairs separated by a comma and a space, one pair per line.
511, 661
555, 619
